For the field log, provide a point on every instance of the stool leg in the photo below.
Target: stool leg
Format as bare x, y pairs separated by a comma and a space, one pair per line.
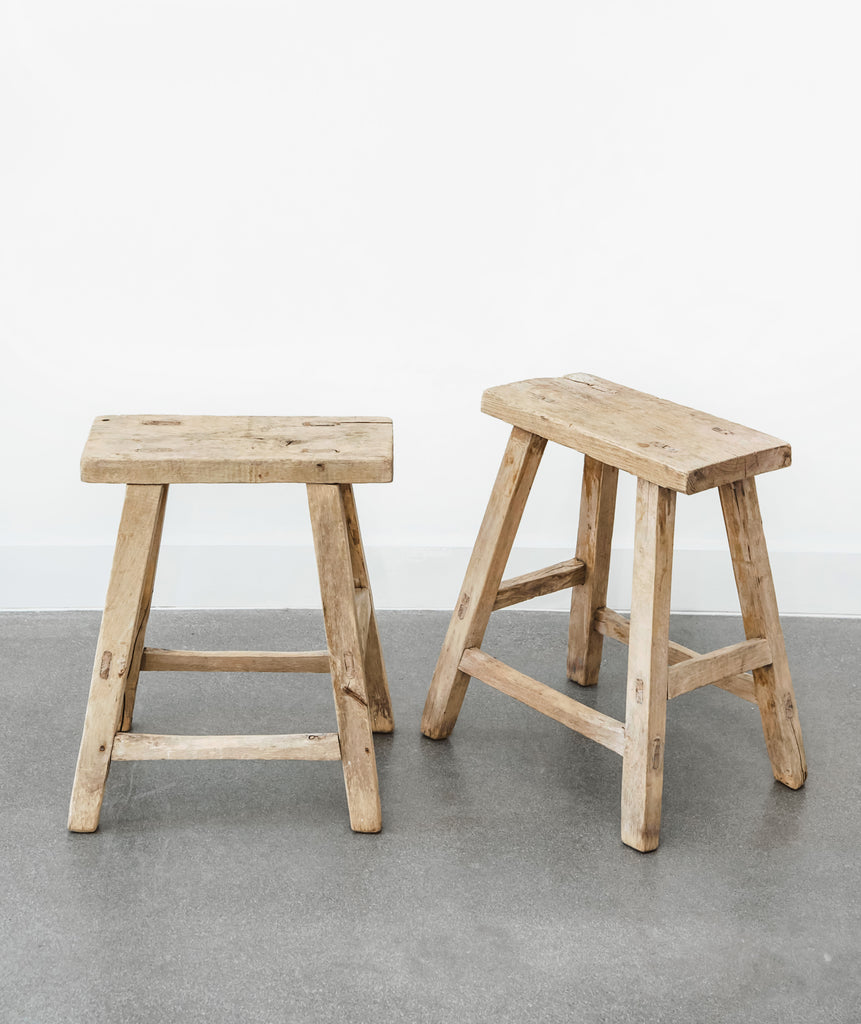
122, 626
756, 595
134, 666
376, 680
332, 546
594, 537
483, 576
648, 667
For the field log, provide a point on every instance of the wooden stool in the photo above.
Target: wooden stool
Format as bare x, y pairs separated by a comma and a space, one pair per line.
148, 453
669, 448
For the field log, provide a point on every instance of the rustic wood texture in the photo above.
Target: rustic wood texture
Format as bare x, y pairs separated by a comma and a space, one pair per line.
167, 449
132, 746
708, 668
670, 448
363, 617
481, 583
774, 691
617, 627
156, 659
671, 445
334, 564
122, 622
134, 667
376, 679
540, 582
558, 706
594, 538
648, 667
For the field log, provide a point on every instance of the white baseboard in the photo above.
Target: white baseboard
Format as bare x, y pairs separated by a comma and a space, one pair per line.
808, 583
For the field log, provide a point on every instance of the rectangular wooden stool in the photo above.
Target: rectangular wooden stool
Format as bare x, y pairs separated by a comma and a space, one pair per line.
671, 449
147, 454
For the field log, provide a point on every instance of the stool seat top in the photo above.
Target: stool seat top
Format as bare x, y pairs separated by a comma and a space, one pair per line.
670, 445
161, 449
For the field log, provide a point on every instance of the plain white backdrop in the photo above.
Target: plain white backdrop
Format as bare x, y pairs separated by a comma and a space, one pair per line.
385, 207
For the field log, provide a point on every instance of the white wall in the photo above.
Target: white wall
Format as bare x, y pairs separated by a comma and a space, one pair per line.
385, 207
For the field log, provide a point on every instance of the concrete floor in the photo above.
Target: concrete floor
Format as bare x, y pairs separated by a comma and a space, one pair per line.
498, 890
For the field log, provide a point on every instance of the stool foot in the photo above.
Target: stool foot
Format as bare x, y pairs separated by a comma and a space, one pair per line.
773, 683
121, 635
483, 577
594, 537
329, 520
648, 669
376, 680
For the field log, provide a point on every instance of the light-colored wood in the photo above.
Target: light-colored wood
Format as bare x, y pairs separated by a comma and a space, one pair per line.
558, 706
122, 621
594, 538
332, 547
136, 746
670, 448
168, 449
156, 659
671, 445
376, 679
149, 452
540, 582
708, 668
363, 616
134, 666
774, 692
481, 583
617, 627
648, 667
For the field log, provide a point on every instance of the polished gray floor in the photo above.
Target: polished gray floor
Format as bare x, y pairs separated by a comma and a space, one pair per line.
498, 890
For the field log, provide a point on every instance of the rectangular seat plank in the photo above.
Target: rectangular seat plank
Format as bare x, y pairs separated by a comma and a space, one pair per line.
671, 445
164, 449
